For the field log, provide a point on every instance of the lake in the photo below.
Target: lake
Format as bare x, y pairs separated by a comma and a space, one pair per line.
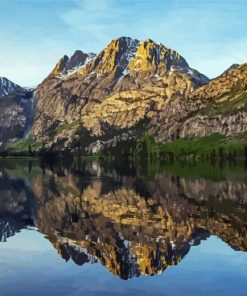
95, 227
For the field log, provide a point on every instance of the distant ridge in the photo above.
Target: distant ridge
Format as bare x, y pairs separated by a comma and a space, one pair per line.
8, 87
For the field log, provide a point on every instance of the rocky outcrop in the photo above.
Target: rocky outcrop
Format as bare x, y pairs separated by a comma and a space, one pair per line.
67, 65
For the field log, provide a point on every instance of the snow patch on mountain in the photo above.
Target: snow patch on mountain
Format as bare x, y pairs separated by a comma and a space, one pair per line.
78, 61
129, 53
8, 87
82, 64
192, 73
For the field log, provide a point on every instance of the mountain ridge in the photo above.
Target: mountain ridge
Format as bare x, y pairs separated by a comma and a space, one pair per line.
130, 88
127, 52
8, 87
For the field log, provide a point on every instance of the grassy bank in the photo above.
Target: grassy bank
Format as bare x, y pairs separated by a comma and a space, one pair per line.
24, 146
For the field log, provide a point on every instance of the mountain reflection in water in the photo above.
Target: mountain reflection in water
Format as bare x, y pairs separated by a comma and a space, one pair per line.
134, 220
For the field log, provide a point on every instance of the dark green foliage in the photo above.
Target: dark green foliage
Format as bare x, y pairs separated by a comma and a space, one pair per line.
28, 146
213, 147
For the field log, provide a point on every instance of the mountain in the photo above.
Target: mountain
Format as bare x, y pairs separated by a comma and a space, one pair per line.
16, 112
111, 96
8, 87
132, 88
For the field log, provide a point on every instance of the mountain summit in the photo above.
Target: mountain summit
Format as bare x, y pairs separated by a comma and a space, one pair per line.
122, 56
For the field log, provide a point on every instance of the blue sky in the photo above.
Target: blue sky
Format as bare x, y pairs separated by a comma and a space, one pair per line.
34, 34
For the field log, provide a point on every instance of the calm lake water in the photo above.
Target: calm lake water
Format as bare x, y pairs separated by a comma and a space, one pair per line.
99, 228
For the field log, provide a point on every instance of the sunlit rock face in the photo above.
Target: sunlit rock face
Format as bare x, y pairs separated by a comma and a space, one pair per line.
131, 225
218, 107
67, 65
117, 91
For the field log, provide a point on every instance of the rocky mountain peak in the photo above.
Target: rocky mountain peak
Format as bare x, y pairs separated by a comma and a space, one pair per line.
66, 64
156, 58
60, 66
78, 59
116, 56
125, 55
8, 87
233, 66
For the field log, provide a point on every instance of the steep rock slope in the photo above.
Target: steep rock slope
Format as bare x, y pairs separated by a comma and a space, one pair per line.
111, 97
218, 107
16, 112
15, 118
66, 65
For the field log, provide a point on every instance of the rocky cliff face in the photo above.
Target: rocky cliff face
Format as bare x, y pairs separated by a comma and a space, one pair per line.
114, 94
218, 107
15, 117
67, 65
